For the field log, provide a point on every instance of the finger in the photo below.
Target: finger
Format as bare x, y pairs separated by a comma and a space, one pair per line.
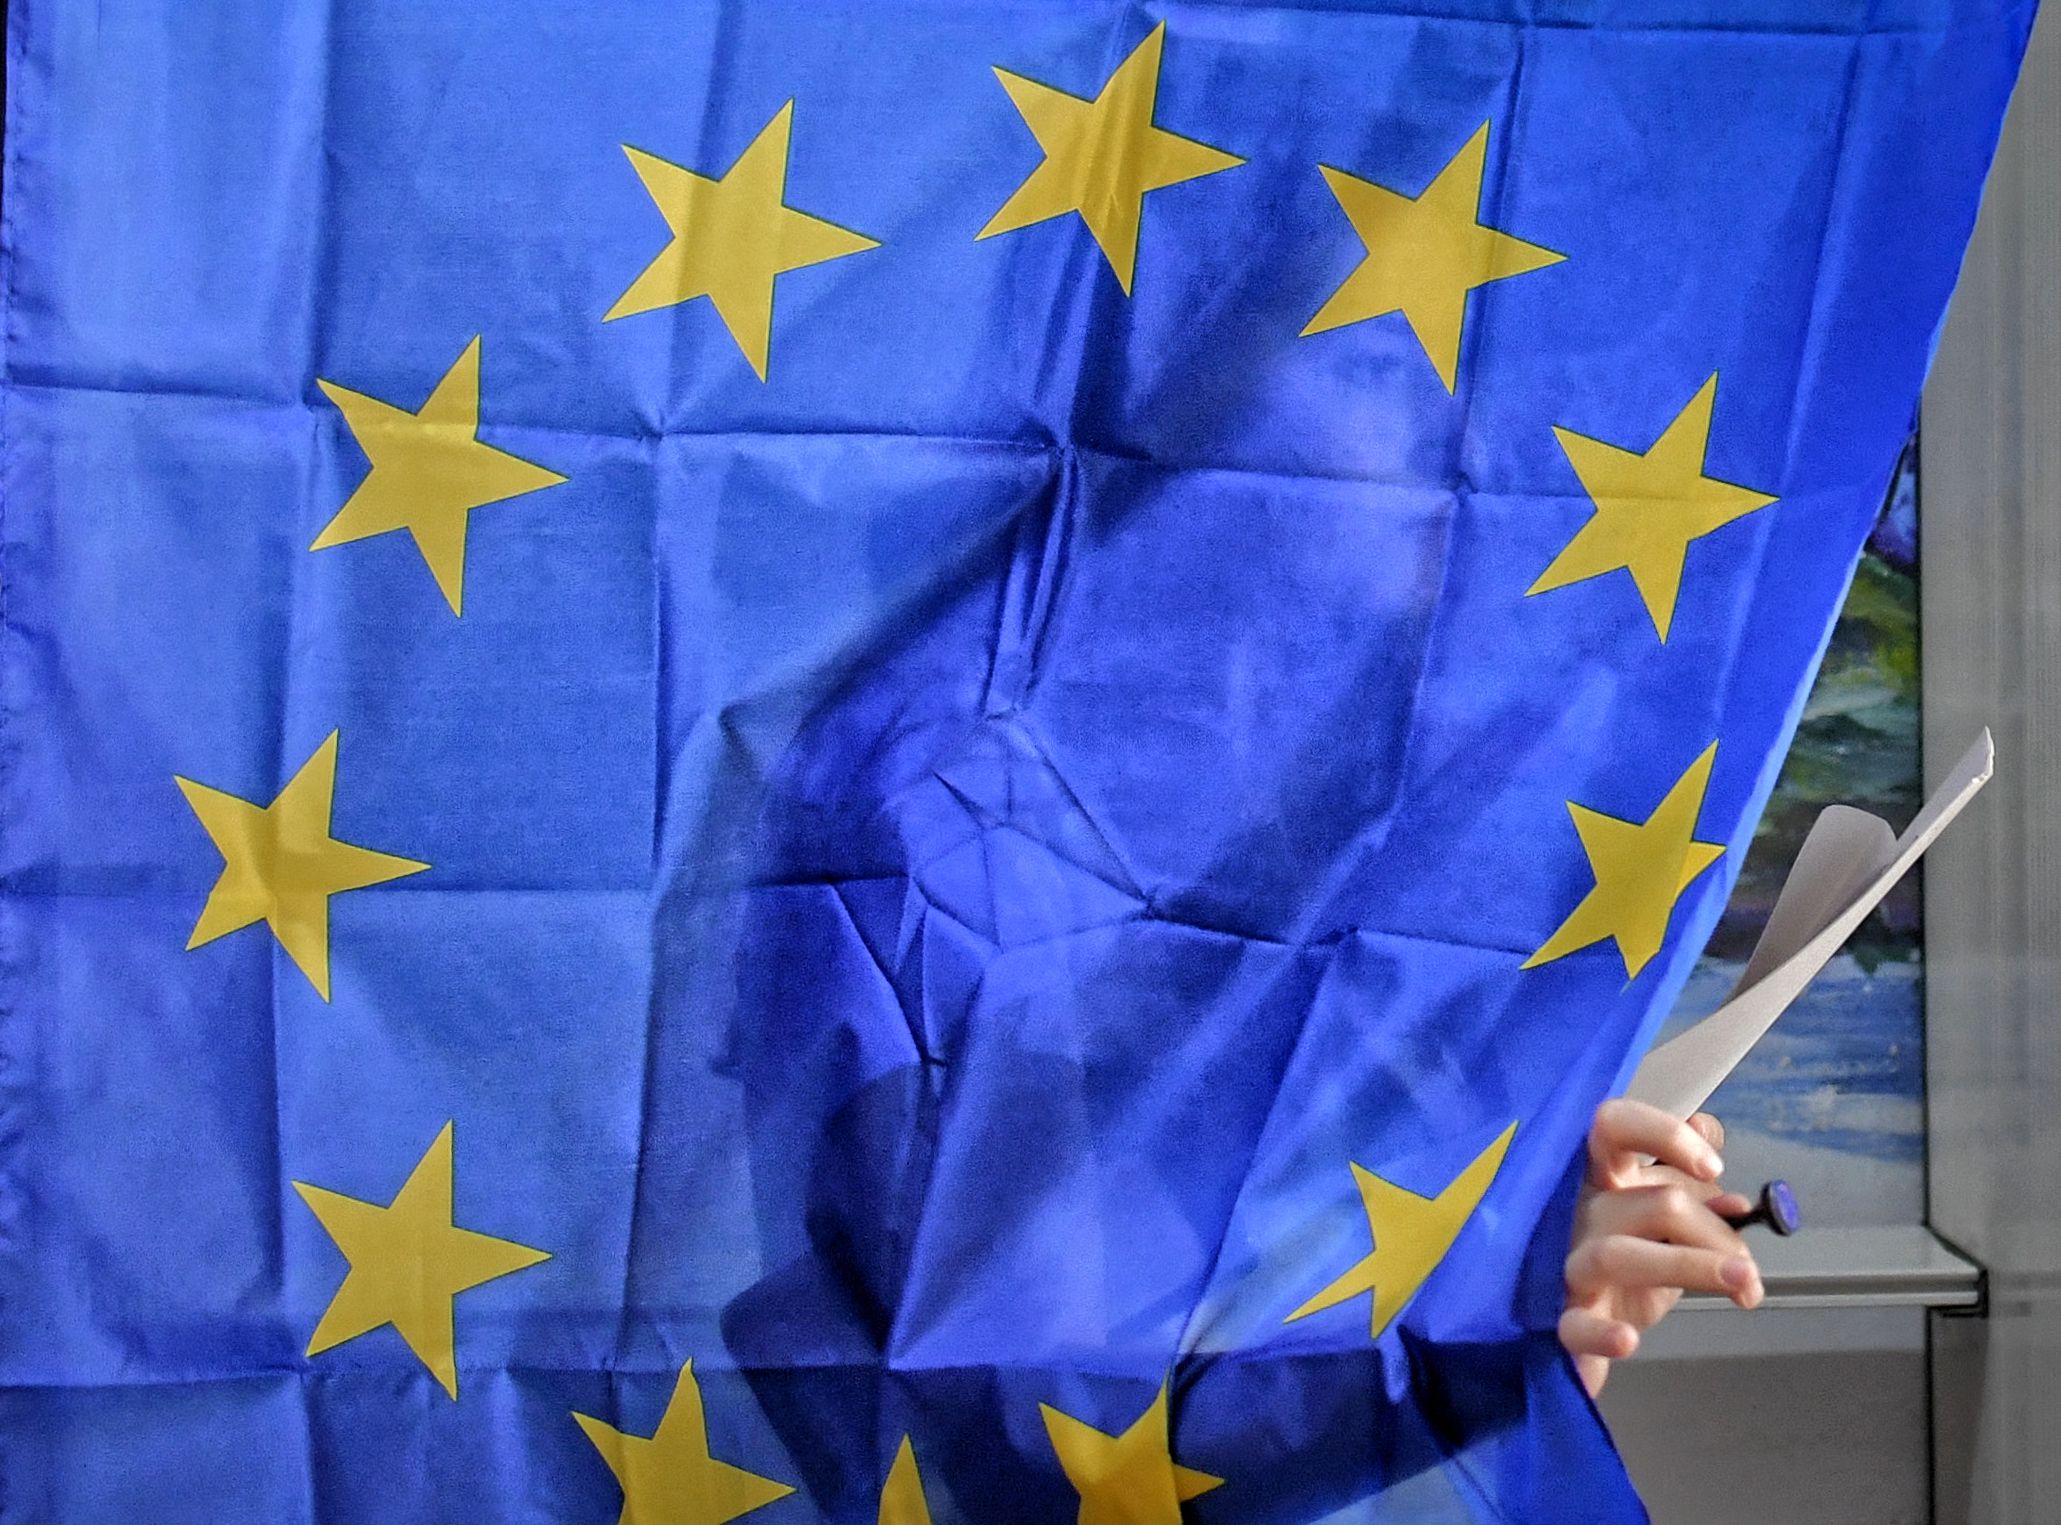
1631, 1133
1621, 1265
1615, 1262
1667, 1175
1586, 1332
1729, 1204
1712, 1130
1594, 1372
1625, 1131
1665, 1214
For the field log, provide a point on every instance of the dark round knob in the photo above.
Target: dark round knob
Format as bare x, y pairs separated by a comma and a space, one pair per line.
1776, 1209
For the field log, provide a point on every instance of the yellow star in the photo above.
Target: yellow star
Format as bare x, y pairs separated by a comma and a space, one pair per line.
1127, 1479
280, 865
1641, 868
902, 1501
731, 238
671, 1479
429, 471
1102, 156
1411, 1236
1648, 508
407, 1262
1425, 254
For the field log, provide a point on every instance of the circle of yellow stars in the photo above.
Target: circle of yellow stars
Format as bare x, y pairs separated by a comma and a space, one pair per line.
730, 238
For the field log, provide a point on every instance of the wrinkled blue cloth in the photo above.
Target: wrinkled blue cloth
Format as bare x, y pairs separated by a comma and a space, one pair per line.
941, 860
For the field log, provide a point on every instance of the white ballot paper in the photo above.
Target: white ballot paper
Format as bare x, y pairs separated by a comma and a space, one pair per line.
1848, 863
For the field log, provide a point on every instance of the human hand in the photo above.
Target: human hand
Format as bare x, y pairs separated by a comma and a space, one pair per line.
1644, 1233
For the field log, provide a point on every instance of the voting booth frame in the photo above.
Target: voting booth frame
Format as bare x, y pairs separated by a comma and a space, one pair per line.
1917, 1376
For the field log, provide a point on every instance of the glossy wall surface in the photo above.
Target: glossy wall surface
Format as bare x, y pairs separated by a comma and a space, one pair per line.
1992, 655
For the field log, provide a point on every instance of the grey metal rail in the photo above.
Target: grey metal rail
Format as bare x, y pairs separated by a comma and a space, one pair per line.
1904, 1265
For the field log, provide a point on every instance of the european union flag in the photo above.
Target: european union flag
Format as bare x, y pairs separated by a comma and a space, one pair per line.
895, 761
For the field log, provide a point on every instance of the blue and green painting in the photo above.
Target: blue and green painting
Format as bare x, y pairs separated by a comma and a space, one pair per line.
1833, 1097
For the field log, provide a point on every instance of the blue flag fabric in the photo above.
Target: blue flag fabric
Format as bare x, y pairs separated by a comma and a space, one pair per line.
898, 762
